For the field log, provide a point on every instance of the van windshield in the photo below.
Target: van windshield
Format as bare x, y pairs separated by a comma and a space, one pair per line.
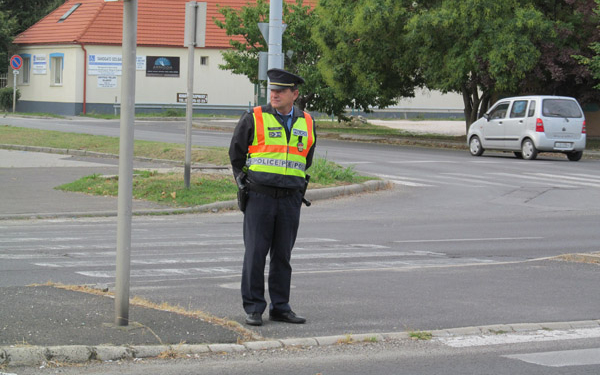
560, 108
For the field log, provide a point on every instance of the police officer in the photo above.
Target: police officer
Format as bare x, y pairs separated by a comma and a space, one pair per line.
272, 146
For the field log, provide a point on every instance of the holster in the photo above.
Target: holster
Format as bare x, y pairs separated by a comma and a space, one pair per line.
304, 200
242, 194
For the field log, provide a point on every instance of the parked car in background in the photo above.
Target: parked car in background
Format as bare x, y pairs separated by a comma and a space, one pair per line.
527, 125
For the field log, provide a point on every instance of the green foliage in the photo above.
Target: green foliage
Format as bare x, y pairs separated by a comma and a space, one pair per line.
364, 58
15, 17
168, 189
592, 60
576, 31
477, 46
325, 172
593, 63
174, 112
315, 94
7, 29
420, 335
6, 98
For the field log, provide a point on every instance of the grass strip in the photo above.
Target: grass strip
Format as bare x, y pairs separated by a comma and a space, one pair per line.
169, 188
110, 145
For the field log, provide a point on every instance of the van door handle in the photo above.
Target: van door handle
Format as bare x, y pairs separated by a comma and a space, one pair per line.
520, 121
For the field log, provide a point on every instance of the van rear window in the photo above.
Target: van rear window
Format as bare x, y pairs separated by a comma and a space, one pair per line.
560, 108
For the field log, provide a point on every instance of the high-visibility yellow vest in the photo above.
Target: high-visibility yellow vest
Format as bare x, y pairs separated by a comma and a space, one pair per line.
271, 152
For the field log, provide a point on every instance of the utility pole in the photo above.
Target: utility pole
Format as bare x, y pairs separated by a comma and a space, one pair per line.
195, 31
276, 28
125, 202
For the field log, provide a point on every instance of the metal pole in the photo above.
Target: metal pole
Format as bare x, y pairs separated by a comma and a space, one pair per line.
126, 163
275, 59
190, 97
15, 72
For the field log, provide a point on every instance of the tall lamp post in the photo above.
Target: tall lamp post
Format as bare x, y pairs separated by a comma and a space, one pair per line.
125, 202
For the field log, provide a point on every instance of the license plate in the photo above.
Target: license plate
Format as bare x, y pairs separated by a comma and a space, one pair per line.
563, 145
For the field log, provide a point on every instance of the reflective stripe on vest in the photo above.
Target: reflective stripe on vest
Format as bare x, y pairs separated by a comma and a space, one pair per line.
270, 151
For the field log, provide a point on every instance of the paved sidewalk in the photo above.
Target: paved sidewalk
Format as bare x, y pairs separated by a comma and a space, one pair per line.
47, 324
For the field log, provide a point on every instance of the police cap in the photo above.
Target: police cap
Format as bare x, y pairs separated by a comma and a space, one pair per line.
280, 79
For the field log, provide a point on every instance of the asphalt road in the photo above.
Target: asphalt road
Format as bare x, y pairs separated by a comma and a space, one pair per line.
458, 241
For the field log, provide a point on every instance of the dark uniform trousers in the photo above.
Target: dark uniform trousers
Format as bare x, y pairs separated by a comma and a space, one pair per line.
270, 226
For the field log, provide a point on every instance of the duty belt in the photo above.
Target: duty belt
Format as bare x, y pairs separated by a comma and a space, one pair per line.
274, 192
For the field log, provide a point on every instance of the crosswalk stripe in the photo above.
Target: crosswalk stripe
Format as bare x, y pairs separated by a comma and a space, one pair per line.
563, 358
476, 181
524, 177
515, 338
409, 183
577, 180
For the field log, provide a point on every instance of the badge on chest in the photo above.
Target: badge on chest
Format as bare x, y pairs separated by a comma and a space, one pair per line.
300, 133
276, 134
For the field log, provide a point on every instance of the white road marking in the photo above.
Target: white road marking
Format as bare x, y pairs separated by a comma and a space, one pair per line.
563, 358
576, 180
517, 338
235, 258
591, 176
422, 161
402, 180
520, 177
472, 239
408, 183
474, 179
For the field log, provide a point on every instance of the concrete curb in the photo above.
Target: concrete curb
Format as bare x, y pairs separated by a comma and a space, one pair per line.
317, 194
14, 356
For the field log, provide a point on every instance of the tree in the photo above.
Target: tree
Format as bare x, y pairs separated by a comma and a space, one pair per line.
17, 16
364, 57
315, 94
478, 48
559, 71
592, 62
7, 27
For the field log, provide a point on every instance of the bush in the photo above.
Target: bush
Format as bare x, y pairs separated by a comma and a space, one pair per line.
6, 98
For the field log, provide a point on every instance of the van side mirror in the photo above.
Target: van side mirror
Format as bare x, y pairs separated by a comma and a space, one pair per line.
486, 116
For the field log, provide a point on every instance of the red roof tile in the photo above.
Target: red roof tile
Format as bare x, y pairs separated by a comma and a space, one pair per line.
160, 23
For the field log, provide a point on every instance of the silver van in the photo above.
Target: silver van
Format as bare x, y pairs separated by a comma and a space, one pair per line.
527, 125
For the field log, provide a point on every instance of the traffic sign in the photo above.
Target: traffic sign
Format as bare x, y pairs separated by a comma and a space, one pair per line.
16, 62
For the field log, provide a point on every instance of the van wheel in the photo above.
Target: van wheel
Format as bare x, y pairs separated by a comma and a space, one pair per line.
518, 154
528, 149
475, 146
575, 155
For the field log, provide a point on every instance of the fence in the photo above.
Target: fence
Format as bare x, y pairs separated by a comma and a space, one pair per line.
3, 80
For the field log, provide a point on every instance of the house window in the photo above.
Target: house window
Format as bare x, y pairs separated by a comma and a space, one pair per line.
203, 60
66, 15
25, 69
56, 68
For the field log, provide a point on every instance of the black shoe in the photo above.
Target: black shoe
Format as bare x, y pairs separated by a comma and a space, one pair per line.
286, 316
254, 319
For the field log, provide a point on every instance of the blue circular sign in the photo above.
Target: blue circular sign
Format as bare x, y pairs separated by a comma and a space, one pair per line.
16, 62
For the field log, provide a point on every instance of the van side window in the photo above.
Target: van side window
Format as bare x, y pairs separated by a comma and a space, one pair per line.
499, 111
518, 109
531, 109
